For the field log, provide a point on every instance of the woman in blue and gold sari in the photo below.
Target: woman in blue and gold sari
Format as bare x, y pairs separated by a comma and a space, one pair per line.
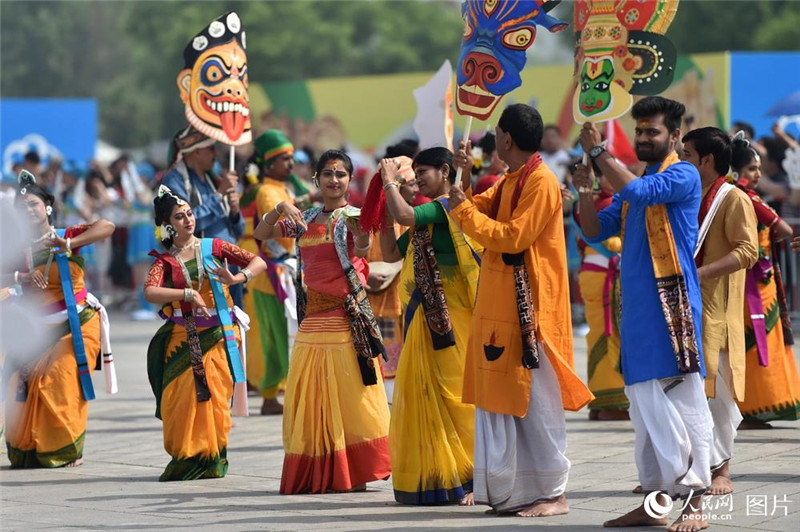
193, 360
432, 432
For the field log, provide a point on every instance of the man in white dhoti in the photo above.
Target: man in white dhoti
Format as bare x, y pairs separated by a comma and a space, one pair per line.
662, 361
519, 371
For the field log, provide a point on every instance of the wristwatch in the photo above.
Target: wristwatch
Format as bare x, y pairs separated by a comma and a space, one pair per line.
595, 152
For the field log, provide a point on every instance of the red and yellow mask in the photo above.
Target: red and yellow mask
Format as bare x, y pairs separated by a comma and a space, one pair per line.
213, 83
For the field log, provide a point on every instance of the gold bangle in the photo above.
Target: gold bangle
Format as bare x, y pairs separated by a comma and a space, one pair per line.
387, 186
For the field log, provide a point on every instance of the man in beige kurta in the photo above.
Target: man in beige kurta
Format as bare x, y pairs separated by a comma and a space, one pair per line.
727, 247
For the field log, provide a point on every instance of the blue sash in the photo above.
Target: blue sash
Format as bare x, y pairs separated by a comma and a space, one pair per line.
74, 323
223, 313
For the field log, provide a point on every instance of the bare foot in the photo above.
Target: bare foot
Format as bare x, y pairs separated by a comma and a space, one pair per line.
468, 500
638, 490
546, 507
637, 517
721, 483
754, 424
75, 463
690, 520
271, 407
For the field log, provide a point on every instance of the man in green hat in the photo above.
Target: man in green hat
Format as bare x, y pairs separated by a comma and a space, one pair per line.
275, 300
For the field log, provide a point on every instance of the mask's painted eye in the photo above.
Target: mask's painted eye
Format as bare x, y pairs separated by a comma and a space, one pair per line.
518, 39
467, 30
601, 86
585, 87
212, 73
489, 6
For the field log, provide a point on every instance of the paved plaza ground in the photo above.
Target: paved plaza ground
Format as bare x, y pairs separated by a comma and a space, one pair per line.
118, 489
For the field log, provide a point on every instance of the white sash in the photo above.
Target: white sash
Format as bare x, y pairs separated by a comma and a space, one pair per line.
712, 212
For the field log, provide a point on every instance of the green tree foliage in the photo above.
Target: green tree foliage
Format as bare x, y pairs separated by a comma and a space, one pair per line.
127, 53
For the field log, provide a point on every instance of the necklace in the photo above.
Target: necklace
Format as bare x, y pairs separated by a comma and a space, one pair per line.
177, 249
198, 262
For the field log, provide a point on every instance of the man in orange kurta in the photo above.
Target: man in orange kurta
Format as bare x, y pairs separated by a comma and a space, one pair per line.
520, 429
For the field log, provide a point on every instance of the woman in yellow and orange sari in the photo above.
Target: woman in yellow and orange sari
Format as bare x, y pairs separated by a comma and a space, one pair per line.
432, 432
192, 358
772, 383
47, 401
335, 414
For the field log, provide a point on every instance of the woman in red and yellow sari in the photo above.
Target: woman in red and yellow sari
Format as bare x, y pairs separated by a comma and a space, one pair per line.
772, 383
335, 413
191, 357
48, 394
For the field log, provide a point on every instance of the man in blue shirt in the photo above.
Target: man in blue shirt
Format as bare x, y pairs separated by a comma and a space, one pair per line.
215, 202
660, 324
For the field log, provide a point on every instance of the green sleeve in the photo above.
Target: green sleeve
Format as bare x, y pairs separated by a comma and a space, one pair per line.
402, 243
430, 213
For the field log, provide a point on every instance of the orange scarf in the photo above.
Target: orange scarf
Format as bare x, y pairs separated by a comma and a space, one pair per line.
672, 292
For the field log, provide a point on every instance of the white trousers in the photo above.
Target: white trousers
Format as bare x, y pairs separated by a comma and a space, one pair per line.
519, 461
725, 414
673, 434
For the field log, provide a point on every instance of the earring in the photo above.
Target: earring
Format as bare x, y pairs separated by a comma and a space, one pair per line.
48, 210
735, 176
171, 231
315, 180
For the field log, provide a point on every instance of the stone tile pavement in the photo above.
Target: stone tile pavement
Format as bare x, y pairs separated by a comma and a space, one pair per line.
117, 487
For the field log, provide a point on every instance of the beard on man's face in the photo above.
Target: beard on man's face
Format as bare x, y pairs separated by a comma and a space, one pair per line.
651, 152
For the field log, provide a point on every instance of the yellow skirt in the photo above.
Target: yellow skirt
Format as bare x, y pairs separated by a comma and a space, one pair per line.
195, 433
335, 429
432, 432
604, 375
47, 428
771, 393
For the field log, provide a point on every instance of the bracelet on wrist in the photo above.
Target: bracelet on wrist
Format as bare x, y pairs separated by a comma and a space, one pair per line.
188, 294
387, 186
68, 252
365, 247
248, 275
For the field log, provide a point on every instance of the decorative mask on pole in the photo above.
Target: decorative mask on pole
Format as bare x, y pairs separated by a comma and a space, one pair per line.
213, 82
497, 35
620, 50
